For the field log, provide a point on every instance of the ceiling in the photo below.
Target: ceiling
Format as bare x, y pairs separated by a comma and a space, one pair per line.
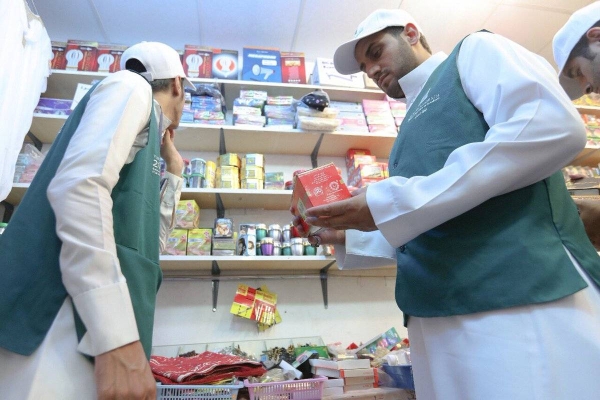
315, 27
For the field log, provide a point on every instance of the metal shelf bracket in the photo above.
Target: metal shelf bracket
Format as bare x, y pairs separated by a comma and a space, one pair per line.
215, 272
315, 152
323, 275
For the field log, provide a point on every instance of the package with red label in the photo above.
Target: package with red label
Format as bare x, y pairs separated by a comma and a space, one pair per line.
81, 55
315, 187
292, 67
109, 57
197, 61
58, 55
225, 64
370, 171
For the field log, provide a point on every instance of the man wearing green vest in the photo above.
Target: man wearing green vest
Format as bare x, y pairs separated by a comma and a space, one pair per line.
576, 49
80, 260
496, 277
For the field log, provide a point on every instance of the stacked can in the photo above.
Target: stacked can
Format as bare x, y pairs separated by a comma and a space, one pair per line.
197, 174
228, 171
253, 172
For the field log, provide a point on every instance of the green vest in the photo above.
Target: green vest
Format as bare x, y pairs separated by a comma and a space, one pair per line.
31, 288
505, 252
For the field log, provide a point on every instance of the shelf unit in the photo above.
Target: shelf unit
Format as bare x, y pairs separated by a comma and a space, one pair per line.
239, 139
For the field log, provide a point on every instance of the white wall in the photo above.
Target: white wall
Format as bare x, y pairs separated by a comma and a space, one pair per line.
359, 308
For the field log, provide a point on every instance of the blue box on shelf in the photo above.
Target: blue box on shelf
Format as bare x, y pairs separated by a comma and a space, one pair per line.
401, 375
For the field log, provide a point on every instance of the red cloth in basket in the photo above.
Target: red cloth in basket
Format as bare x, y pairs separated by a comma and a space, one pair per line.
204, 368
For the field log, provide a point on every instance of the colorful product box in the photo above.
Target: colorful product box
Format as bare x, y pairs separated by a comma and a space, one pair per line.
223, 228
325, 74
225, 64
372, 171
187, 214
81, 55
293, 69
58, 55
356, 159
53, 106
315, 187
346, 106
109, 57
176, 243
231, 159
253, 184
370, 106
261, 64
253, 160
199, 242
252, 172
197, 61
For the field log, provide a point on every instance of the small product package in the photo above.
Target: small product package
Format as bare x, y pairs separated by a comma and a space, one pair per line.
187, 214
197, 61
109, 57
177, 243
225, 64
81, 55
223, 228
58, 55
315, 187
293, 69
199, 242
261, 64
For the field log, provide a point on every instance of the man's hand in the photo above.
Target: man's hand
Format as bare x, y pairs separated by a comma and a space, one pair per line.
323, 236
170, 154
124, 373
352, 213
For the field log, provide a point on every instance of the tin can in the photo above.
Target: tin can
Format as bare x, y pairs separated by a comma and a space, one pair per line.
287, 233
198, 167
286, 249
276, 248
297, 247
211, 174
309, 249
289, 185
196, 181
275, 232
266, 246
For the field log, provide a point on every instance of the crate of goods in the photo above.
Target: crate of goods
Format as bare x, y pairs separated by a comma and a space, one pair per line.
197, 392
304, 389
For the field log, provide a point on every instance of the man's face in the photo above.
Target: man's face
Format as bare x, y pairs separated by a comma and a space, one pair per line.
386, 59
180, 102
586, 69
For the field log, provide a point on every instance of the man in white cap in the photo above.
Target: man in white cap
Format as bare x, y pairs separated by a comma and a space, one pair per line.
80, 264
577, 53
495, 275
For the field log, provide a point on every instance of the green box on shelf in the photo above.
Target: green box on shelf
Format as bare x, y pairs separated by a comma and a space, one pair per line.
320, 350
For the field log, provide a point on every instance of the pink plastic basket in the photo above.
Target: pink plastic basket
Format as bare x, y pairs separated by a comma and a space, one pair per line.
304, 389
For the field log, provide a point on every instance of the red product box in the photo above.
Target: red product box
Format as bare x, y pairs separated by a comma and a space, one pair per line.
375, 105
371, 171
58, 55
363, 182
315, 187
352, 152
225, 64
293, 69
109, 57
81, 55
197, 61
358, 159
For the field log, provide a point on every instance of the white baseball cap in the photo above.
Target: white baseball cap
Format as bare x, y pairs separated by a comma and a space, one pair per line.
567, 37
161, 61
344, 60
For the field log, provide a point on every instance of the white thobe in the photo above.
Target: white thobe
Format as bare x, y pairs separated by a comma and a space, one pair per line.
112, 130
534, 131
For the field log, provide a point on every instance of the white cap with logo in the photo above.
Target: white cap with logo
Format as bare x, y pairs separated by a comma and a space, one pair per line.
567, 37
344, 60
161, 61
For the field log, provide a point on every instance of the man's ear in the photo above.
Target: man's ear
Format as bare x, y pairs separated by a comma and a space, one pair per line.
177, 87
412, 33
593, 34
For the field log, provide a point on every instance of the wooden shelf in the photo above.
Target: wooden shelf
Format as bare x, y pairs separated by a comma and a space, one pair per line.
244, 139
201, 266
240, 198
590, 157
17, 192
593, 110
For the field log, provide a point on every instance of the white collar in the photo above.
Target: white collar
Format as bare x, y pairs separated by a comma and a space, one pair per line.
413, 82
162, 120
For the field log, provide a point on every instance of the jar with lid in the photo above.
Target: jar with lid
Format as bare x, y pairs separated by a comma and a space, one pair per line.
276, 248
261, 233
286, 249
286, 233
309, 249
275, 232
266, 246
297, 246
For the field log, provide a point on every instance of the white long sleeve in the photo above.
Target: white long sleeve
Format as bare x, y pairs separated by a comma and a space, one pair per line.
112, 130
534, 131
